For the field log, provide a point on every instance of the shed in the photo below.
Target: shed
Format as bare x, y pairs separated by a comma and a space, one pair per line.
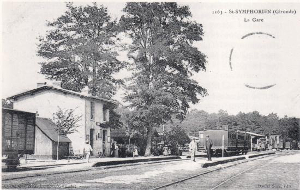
254, 139
46, 139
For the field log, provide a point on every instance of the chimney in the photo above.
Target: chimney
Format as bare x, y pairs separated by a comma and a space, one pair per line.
56, 84
85, 90
40, 84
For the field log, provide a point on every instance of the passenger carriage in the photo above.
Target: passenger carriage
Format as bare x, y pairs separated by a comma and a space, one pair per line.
230, 141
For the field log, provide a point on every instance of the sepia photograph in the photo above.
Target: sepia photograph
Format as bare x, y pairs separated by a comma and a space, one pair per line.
150, 95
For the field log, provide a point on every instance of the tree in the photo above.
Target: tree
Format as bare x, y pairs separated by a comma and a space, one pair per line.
66, 122
289, 128
194, 122
79, 50
271, 124
177, 136
115, 115
164, 59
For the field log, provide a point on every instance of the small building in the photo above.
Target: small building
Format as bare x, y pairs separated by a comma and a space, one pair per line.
255, 140
45, 100
46, 139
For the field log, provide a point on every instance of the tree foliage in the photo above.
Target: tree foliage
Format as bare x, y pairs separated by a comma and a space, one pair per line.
66, 121
115, 114
79, 50
177, 136
164, 59
198, 120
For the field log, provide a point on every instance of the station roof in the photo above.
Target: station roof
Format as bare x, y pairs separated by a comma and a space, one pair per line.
14, 110
48, 128
255, 134
61, 90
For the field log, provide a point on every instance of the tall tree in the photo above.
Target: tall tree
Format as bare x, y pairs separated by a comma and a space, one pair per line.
164, 59
79, 50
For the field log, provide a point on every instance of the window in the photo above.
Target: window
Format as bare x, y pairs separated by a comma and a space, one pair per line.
104, 114
92, 110
233, 136
104, 135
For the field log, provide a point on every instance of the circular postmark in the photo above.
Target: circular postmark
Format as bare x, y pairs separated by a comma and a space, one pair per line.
256, 58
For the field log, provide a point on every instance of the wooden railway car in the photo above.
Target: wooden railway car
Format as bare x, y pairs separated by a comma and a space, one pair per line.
18, 135
235, 142
278, 142
274, 141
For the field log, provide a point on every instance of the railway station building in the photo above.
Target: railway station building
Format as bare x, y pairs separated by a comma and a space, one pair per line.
45, 100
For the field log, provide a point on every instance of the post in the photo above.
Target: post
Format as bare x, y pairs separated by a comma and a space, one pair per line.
251, 143
57, 147
223, 143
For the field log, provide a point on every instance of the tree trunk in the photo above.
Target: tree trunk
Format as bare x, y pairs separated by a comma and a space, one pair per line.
149, 141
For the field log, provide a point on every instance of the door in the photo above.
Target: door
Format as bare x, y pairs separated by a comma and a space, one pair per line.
92, 137
104, 136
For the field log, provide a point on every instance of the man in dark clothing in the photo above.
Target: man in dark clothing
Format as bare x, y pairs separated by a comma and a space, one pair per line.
208, 144
113, 147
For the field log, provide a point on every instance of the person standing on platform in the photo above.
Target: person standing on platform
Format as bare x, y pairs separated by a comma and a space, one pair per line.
113, 147
208, 145
193, 149
87, 151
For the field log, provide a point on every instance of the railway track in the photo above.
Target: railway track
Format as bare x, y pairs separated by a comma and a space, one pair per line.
179, 181
23, 176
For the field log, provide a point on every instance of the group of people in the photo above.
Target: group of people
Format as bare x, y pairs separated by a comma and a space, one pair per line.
87, 148
193, 148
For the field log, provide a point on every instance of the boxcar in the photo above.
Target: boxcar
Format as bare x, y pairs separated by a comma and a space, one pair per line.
18, 132
235, 142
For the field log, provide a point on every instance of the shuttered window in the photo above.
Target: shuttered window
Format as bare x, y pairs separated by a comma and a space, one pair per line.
92, 110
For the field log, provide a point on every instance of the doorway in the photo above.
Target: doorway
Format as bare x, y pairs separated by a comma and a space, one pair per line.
92, 137
104, 136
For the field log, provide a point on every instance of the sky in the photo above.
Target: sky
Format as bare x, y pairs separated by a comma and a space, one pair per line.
268, 57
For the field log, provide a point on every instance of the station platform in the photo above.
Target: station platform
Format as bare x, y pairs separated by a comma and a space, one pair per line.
95, 162
221, 160
48, 167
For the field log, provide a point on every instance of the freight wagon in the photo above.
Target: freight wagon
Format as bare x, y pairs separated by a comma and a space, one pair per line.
18, 132
233, 142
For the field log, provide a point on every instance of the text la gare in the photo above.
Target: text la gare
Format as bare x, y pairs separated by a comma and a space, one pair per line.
254, 20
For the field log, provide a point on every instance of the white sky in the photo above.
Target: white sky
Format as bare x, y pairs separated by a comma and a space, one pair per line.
257, 60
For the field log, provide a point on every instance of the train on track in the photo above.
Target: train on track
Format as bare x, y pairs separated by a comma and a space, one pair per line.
230, 142
278, 142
